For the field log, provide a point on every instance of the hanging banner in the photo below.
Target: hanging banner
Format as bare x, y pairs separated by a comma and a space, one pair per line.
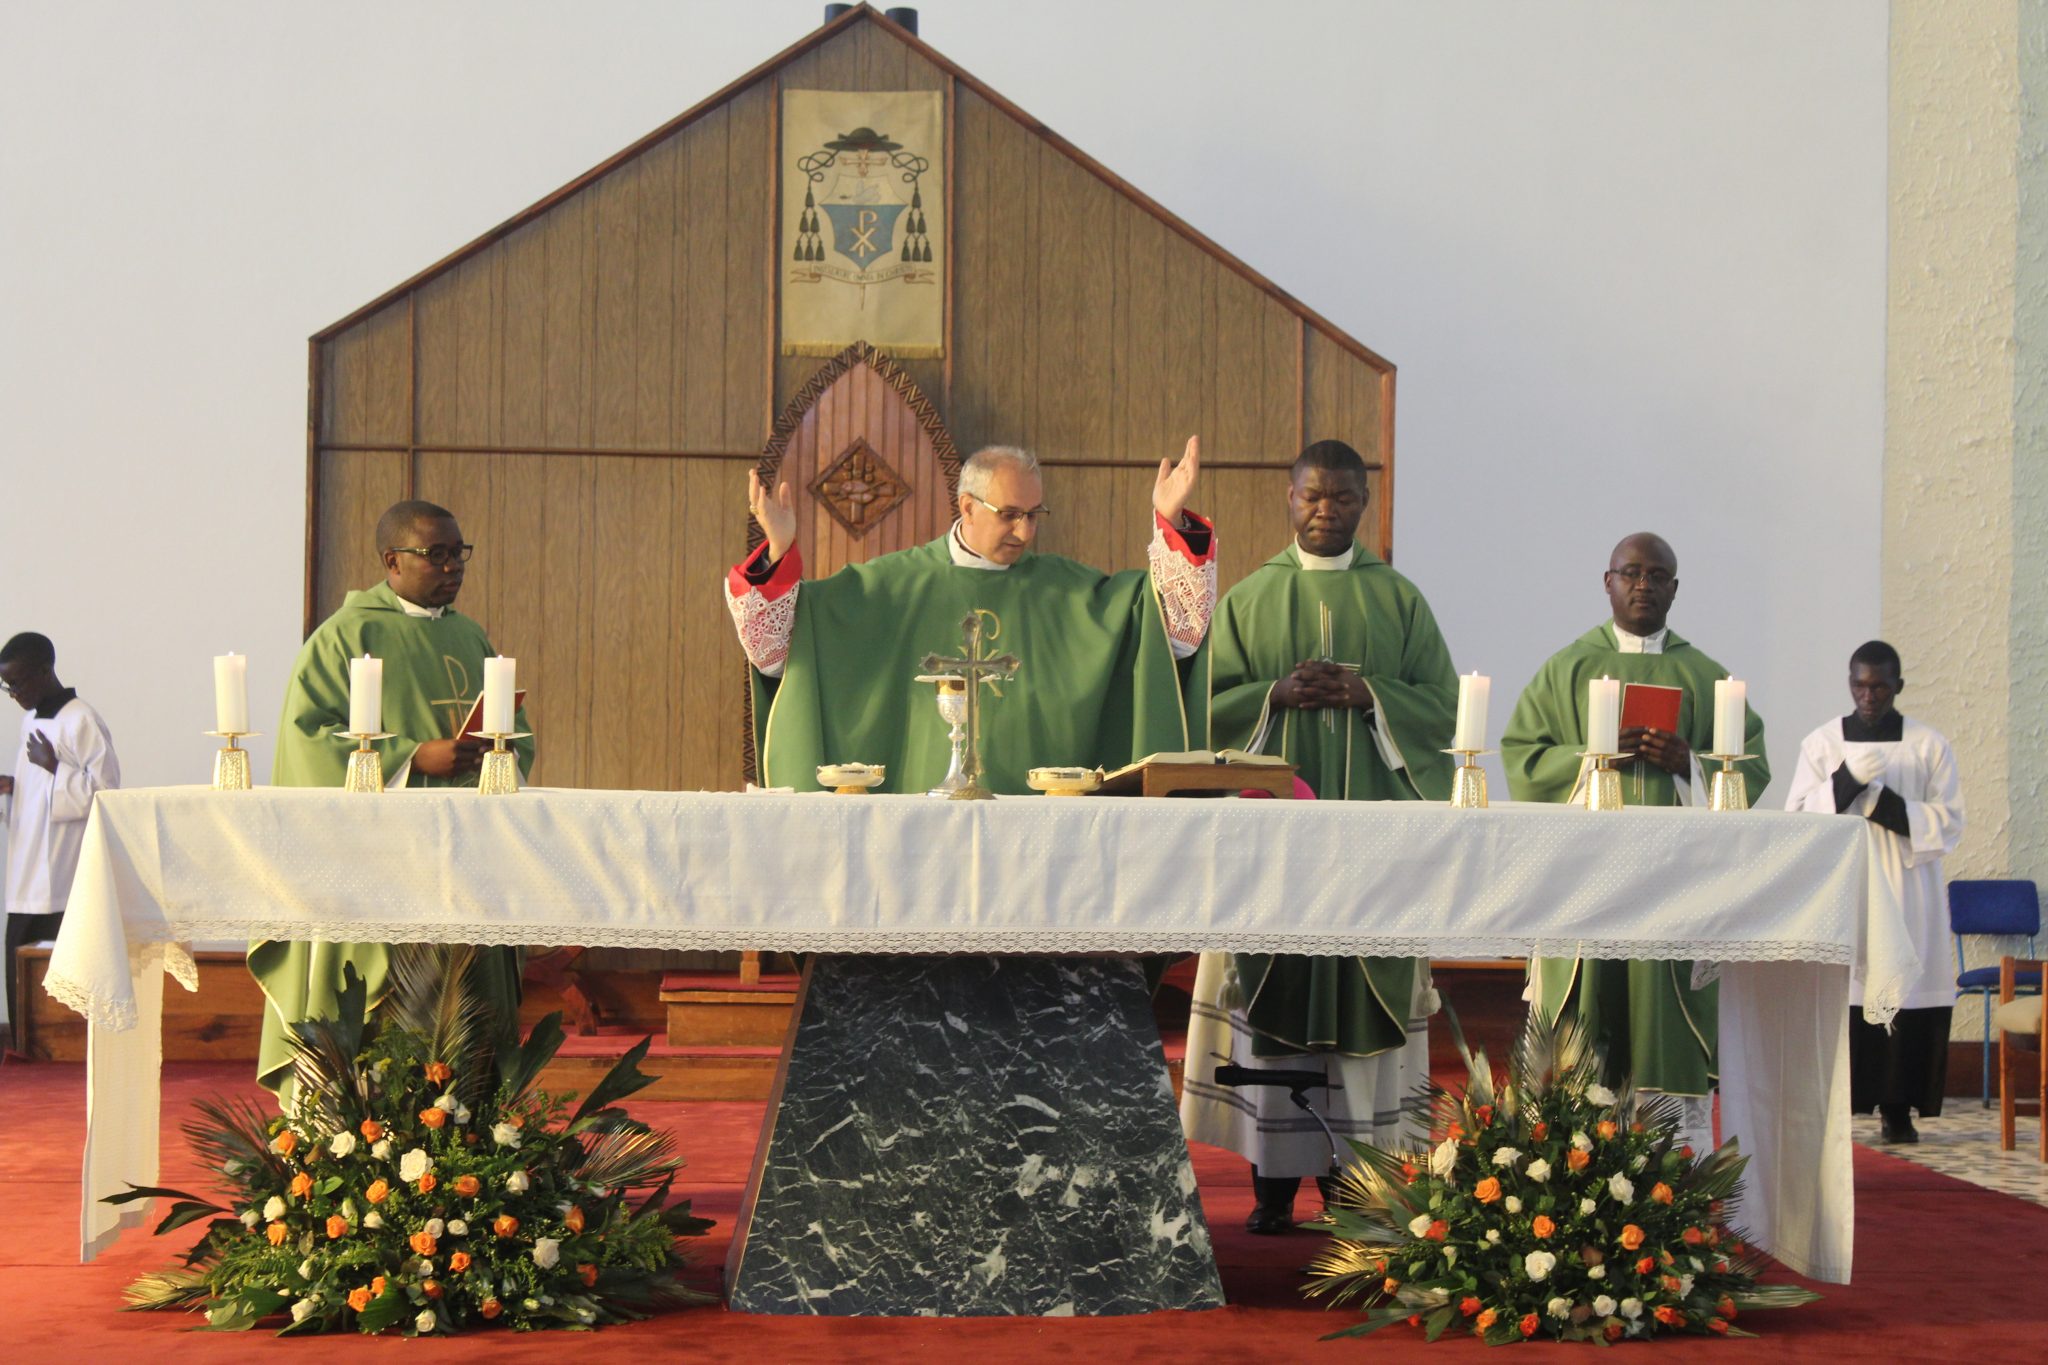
863, 201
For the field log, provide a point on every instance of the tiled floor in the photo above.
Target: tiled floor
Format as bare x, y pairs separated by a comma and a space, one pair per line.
1963, 1143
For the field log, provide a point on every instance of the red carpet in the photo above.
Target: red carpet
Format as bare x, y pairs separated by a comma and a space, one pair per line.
1944, 1270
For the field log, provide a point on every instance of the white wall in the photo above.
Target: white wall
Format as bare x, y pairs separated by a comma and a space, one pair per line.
1628, 256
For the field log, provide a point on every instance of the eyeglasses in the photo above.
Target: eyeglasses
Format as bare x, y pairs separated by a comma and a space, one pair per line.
440, 556
1014, 516
1656, 578
14, 689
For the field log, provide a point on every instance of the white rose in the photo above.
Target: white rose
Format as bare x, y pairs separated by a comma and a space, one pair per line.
1493, 1236
1598, 1272
414, 1164
381, 1149
546, 1252
1639, 1163
1450, 1255
448, 1104
1559, 1308
341, 1144
1539, 1170
302, 1310
348, 1209
530, 1305
1603, 1307
1631, 1309
1512, 1204
457, 1228
1581, 1143
435, 1227
250, 1218
1539, 1264
505, 1134
1684, 1287
230, 1166
425, 1321
273, 1208
306, 1268
1444, 1159
1597, 1093
517, 1182
1697, 1263
373, 1219
1419, 1224
586, 1315
1506, 1156
1586, 1207
1621, 1187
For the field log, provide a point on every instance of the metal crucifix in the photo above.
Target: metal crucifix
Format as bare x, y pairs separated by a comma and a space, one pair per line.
974, 667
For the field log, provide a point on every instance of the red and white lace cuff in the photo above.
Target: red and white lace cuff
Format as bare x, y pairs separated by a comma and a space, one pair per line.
1186, 581
764, 608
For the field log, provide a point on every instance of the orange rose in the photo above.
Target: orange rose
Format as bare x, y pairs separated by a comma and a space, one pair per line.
1693, 1237
1726, 1308
337, 1227
438, 1072
1669, 1316
1717, 1327
1485, 1320
431, 1288
1667, 1258
277, 1232
371, 1130
377, 1287
1456, 1133
1487, 1190
1468, 1305
379, 1191
458, 1263
1636, 1128
1540, 1131
468, 1186
505, 1225
490, 1308
1415, 1319
573, 1219
285, 1143
1645, 1266
588, 1274
422, 1242
359, 1299
427, 1183
1578, 1160
1606, 1128
434, 1116
1612, 1331
1390, 1284
1543, 1227
1672, 1283
1438, 1230
1529, 1324
1409, 1173
302, 1185
1631, 1237
1661, 1192
1686, 1151
1484, 1113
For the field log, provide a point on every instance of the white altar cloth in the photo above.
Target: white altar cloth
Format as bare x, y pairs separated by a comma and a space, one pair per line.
1785, 902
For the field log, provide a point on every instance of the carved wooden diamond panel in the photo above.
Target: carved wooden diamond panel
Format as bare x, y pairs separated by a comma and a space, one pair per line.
859, 489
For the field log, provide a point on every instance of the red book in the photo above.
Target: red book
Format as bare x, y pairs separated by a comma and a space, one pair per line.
1650, 706
473, 723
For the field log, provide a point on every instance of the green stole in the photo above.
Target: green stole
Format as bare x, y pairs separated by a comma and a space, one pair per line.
1096, 684
1379, 621
433, 671
1654, 1025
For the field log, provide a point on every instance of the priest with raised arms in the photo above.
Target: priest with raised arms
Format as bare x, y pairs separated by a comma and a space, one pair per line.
1655, 1025
1100, 676
433, 661
1325, 656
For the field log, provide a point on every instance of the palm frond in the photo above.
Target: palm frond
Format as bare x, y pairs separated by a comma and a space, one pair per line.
233, 1130
435, 992
173, 1288
627, 1158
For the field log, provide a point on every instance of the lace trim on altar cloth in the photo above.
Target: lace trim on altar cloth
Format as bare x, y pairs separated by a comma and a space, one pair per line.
1187, 592
764, 626
100, 1008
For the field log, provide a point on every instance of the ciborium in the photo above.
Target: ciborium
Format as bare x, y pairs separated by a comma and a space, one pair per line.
952, 695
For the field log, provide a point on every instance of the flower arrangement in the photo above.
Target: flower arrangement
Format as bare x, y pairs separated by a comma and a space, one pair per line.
419, 1180
1552, 1206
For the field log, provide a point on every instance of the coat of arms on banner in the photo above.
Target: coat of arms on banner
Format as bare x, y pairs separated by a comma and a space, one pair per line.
862, 212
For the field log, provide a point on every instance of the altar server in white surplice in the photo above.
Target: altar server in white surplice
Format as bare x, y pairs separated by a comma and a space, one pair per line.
1901, 775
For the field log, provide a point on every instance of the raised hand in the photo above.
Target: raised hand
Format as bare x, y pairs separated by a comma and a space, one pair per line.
1176, 482
776, 515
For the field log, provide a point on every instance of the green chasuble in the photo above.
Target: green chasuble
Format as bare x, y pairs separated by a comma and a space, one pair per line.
433, 671
1096, 681
1652, 1022
1378, 621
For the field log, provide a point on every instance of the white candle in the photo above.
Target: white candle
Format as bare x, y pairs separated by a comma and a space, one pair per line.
1603, 716
366, 696
231, 694
1731, 727
499, 691
1474, 690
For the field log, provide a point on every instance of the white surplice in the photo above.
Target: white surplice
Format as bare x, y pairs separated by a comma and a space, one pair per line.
46, 815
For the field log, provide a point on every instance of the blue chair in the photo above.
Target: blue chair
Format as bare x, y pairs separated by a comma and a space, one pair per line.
1992, 909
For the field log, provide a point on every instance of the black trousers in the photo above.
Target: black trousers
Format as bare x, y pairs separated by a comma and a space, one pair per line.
23, 929
1905, 1068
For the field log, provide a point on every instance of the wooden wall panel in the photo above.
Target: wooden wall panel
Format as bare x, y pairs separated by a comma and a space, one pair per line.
613, 271
1342, 401
748, 241
366, 382
355, 486
700, 273
654, 303
437, 330
521, 275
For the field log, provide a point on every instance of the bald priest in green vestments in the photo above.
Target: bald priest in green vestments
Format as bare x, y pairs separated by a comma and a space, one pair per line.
1326, 656
1656, 1026
433, 672
1100, 675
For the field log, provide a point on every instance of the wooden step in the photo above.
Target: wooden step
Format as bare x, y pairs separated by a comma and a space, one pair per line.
709, 1010
680, 1073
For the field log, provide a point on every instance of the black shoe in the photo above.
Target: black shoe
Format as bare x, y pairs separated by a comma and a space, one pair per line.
1273, 1209
1898, 1131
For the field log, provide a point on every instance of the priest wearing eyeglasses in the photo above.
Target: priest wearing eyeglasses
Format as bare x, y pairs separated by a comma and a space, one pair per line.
1100, 681
433, 672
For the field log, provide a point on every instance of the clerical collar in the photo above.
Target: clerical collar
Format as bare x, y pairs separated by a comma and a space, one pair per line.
1889, 730
964, 558
1653, 643
1326, 563
48, 708
415, 609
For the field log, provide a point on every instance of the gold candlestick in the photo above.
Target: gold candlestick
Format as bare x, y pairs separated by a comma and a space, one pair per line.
231, 764
1468, 780
1727, 789
1602, 783
499, 774
365, 765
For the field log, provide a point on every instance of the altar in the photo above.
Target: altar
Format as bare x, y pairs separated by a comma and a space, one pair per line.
1785, 904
